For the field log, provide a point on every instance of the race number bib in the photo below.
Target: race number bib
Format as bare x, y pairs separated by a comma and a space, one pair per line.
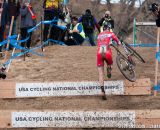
103, 49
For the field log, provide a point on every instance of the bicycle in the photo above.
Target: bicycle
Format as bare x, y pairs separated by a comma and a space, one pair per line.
125, 61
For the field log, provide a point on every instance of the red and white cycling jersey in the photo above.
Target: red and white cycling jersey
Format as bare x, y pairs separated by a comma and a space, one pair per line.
103, 40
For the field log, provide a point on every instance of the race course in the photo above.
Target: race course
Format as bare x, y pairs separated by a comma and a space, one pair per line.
77, 63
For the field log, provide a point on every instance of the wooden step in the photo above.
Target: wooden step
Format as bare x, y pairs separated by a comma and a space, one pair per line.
56, 89
80, 119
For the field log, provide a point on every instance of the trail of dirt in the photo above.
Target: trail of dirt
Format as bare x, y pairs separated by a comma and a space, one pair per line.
76, 63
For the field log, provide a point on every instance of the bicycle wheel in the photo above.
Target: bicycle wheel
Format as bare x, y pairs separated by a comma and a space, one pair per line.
134, 53
126, 68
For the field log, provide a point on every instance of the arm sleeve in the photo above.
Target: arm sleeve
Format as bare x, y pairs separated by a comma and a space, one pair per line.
97, 25
101, 21
80, 19
79, 28
112, 23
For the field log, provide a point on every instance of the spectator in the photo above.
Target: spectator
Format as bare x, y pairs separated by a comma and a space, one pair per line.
77, 31
89, 22
3, 21
106, 19
52, 9
13, 10
27, 22
65, 20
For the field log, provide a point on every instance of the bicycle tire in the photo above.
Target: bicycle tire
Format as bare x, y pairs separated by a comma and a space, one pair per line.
135, 53
119, 64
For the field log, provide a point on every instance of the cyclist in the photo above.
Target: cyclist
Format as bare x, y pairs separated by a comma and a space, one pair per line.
104, 53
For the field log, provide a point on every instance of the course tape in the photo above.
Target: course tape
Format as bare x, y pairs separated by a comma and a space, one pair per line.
16, 43
24, 52
144, 45
46, 22
156, 87
158, 56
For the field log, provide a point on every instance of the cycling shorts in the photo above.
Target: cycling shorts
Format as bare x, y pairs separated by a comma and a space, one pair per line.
104, 54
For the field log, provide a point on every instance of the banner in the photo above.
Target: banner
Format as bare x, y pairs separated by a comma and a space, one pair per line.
77, 119
68, 89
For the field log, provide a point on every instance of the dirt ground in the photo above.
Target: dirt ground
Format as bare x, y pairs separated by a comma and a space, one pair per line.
78, 63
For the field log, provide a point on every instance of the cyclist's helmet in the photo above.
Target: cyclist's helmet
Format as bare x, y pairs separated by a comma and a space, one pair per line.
106, 26
153, 7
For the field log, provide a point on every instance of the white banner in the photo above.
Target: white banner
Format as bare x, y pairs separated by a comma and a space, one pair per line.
87, 119
67, 89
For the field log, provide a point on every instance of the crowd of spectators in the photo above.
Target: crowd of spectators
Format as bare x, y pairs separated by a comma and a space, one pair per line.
78, 29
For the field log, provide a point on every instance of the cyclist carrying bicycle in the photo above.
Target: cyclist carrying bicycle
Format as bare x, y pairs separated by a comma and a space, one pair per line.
104, 53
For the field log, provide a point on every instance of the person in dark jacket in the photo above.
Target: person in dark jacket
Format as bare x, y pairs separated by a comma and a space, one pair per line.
13, 10
3, 21
89, 22
27, 22
52, 9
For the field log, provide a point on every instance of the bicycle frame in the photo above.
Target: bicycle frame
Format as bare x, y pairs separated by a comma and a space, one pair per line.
128, 54
125, 49
118, 51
